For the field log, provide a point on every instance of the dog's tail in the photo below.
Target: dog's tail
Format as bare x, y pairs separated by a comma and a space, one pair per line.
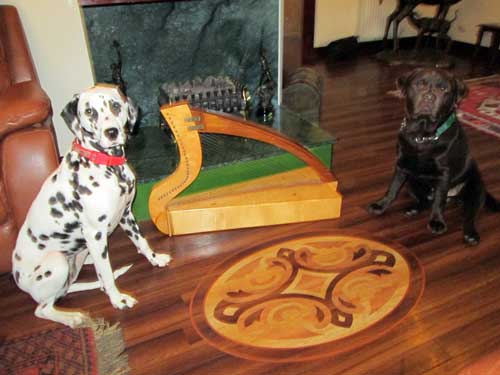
491, 203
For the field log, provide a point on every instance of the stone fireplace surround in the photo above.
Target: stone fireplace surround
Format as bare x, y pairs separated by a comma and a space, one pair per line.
179, 40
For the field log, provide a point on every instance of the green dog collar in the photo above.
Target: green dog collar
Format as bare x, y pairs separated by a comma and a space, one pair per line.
444, 127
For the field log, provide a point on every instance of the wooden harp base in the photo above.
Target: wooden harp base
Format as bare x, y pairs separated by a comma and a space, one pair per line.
305, 194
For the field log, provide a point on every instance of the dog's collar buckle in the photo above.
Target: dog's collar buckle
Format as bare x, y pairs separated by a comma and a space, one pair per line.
97, 157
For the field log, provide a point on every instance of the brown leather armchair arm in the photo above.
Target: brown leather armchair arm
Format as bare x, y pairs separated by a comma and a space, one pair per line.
28, 148
22, 105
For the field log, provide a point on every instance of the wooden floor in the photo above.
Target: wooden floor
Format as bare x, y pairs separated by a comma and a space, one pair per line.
456, 320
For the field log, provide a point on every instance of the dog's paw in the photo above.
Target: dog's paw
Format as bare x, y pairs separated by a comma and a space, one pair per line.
437, 226
160, 260
376, 208
73, 319
122, 301
471, 238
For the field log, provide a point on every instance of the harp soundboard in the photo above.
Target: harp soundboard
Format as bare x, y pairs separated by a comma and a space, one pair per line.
304, 194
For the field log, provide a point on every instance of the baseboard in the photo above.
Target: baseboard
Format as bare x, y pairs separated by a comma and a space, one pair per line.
369, 47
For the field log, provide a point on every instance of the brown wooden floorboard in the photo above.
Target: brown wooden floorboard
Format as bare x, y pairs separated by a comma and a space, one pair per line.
456, 320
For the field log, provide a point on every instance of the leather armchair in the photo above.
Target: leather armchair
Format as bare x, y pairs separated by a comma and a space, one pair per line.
28, 148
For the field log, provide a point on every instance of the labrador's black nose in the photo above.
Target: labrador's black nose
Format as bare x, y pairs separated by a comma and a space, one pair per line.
111, 133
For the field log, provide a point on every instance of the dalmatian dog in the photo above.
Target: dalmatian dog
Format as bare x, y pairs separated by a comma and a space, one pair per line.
79, 206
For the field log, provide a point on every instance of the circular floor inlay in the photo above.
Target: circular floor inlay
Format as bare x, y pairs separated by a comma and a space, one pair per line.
306, 296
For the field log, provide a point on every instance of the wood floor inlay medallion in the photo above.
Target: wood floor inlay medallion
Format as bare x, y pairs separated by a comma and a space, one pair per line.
306, 296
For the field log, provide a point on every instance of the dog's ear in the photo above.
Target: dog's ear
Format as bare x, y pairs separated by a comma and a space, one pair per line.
70, 114
462, 90
404, 81
133, 113
401, 84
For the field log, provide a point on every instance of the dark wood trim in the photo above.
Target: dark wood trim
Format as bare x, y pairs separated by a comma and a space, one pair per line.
308, 53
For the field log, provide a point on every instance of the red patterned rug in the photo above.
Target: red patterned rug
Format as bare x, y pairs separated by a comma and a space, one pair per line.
481, 108
96, 350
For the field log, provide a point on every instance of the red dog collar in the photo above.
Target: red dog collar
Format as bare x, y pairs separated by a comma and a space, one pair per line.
98, 157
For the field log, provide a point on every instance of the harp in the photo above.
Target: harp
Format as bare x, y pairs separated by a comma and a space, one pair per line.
304, 194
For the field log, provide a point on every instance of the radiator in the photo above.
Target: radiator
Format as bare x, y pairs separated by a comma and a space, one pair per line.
372, 19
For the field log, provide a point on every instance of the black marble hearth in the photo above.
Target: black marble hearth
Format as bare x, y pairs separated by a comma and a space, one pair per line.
177, 41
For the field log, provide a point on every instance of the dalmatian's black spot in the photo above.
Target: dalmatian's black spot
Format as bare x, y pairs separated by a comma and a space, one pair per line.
31, 235
65, 242
41, 246
60, 236
70, 227
44, 237
122, 220
52, 200
85, 163
129, 233
102, 218
17, 257
37, 268
95, 184
56, 213
122, 190
39, 277
136, 236
98, 236
83, 190
47, 274
105, 252
54, 178
74, 182
80, 244
76, 195
123, 301
91, 178
72, 164
16, 277
68, 207
60, 197
77, 206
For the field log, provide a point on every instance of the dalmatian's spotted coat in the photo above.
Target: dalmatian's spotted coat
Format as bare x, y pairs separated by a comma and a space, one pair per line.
78, 207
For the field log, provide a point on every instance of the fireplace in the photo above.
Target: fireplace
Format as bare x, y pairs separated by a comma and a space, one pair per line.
150, 43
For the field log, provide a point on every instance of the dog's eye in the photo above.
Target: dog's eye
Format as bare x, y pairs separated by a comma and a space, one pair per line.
116, 105
441, 86
422, 84
88, 111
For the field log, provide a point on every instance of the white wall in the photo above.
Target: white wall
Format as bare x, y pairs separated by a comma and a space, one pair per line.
335, 19
471, 13
56, 36
366, 19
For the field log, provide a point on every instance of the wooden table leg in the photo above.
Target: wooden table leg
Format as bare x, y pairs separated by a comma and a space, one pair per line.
479, 39
495, 43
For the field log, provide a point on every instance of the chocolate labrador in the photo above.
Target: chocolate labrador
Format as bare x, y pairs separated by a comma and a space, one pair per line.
433, 157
